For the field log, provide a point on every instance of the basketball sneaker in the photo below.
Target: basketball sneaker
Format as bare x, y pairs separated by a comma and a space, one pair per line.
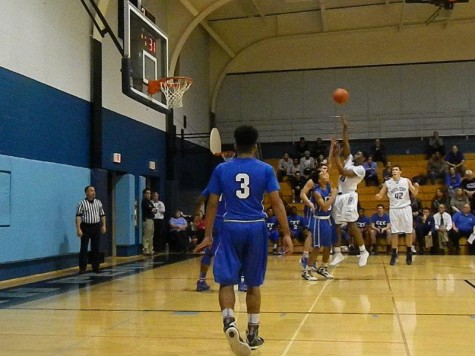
303, 262
337, 258
254, 341
237, 344
363, 258
323, 271
409, 258
394, 258
307, 275
201, 286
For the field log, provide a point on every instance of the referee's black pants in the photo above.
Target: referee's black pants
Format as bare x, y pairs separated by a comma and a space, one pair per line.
90, 232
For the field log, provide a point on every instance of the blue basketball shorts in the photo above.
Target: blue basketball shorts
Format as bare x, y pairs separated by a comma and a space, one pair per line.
322, 231
242, 250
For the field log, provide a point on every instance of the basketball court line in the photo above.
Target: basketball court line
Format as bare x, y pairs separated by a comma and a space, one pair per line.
469, 283
307, 314
29, 292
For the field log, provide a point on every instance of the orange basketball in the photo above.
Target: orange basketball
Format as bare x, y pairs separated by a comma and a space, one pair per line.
340, 96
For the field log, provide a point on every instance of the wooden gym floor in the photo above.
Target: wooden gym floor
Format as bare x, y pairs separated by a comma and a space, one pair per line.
150, 307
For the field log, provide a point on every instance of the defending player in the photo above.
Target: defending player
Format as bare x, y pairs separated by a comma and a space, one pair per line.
400, 213
320, 226
243, 247
345, 208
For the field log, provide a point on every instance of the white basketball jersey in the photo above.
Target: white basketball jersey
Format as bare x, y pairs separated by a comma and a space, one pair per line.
349, 184
398, 193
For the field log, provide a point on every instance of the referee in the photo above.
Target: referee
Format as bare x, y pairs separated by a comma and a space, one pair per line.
90, 223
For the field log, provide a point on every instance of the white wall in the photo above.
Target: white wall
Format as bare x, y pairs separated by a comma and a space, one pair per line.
48, 41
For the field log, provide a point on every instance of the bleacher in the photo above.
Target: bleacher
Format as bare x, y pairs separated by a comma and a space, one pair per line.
411, 166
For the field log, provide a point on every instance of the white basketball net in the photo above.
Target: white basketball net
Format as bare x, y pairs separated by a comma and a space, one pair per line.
228, 155
173, 88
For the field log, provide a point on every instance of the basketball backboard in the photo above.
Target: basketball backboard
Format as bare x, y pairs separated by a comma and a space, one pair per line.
145, 57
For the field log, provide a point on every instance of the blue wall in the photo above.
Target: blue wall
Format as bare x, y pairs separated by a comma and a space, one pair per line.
42, 211
136, 142
41, 122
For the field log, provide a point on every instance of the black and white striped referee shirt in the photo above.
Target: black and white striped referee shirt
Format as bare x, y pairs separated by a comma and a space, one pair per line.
90, 211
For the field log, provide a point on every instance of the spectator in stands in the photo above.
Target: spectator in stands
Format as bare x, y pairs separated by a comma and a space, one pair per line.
378, 151
463, 225
439, 198
273, 229
456, 159
364, 224
468, 186
178, 232
435, 144
318, 149
416, 206
387, 171
297, 183
321, 160
297, 225
423, 227
452, 181
436, 168
381, 226
458, 200
284, 168
371, 175
440, 230
301, 147
307, 164
296, 167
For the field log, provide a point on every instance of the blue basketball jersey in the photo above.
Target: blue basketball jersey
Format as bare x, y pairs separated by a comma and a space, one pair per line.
272, 223
243, 182
325, 193
363, 221
380, 221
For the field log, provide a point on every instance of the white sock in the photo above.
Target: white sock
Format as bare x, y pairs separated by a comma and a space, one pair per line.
227, 313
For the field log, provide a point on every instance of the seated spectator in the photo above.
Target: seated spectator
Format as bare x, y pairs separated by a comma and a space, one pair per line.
371, 169
452, 181
321, 160
364, 224
297, 227
378, 151
301, 147
273, 228
296, 167
463, 225
307, 164
439, 198
284, 168
199, 225
387, 171
423, 227
436, 168
318, 149
416, 206
456, 159
458, 200
435, 144
178, 232
468, 186
297, 183
381, 227
440, 230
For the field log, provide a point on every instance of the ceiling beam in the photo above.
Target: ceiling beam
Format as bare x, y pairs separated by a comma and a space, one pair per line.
208, 29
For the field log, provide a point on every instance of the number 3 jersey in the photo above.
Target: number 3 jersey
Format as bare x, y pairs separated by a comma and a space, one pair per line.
398, 193
243, 182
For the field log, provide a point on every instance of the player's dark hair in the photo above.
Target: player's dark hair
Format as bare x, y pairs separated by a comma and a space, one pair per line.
396, 165
245, 137
315, 176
